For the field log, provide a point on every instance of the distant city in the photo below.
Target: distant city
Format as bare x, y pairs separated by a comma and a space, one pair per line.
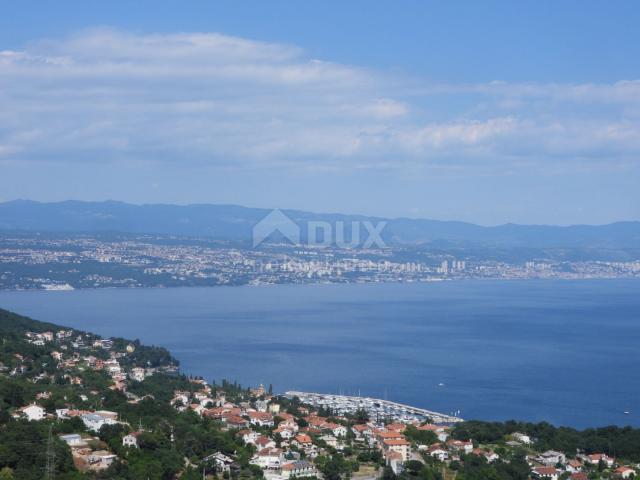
64, 262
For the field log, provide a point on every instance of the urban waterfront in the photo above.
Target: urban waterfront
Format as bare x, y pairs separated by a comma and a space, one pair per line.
561, 351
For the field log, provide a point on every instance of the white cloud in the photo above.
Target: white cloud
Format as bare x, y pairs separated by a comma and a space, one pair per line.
462, 133
105, 95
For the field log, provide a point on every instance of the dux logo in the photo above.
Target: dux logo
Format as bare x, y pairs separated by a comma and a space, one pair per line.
319, 233
278, 222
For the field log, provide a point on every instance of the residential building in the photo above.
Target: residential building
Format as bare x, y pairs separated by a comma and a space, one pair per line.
137, 374
72, 439
461, 446
262, 419
546, 473
95, 420
551, 457
522, 438
269, 458
221, 462
301, 468
100, 459
436, 451
130, 440
33, 412
395, 461
596, 458
625, 472
401, 446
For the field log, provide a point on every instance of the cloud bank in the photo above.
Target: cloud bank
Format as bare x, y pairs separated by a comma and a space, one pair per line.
193, 99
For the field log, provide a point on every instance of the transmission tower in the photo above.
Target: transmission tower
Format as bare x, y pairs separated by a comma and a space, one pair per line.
50, 469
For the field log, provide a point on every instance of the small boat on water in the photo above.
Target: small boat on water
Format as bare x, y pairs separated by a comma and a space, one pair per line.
441, 384
626, 413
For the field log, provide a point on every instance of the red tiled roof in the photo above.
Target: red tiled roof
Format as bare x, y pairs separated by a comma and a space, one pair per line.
263, 440
393, 441
546, 471
236, 420
264, 416
303, 438
362, 427
396, 427
624, 469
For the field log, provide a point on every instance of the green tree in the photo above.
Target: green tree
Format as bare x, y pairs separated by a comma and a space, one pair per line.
6, 474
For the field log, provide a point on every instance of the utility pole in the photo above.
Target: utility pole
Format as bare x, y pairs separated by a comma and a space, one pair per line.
50, 468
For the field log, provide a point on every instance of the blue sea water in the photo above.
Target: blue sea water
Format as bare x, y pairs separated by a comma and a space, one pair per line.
562, 351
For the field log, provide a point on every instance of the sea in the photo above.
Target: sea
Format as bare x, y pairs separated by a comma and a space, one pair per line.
562, 351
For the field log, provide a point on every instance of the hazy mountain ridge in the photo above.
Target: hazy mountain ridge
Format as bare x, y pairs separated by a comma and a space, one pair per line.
232, 222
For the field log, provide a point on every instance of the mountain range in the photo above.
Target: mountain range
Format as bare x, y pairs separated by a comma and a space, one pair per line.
235, 223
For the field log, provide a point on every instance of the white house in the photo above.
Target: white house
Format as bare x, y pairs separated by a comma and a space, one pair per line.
522, 438
398, 445
625, 472
33, 412
285, 433
100, 459
269, 458
395, 461
261, 405
459, 445
290, 424
94, 421
596, 458
137, 374
221, 462
330, 440
249, 436
264, 442
339, 431
72, 439
551, 457
62, 413
262, 419
130, 440
436, 451
490, 456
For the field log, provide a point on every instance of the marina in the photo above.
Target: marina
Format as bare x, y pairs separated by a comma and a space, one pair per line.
376, 408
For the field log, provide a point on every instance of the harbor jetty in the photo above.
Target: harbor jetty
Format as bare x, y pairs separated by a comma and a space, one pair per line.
376, 408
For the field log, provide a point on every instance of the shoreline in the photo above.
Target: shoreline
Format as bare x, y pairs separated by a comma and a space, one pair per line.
317, 284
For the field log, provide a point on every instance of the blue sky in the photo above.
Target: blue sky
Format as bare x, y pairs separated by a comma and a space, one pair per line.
488, 112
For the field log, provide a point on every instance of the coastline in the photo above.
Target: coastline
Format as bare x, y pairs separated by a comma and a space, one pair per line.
317, 284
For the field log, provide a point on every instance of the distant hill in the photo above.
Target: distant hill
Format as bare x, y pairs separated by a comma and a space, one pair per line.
232, 222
